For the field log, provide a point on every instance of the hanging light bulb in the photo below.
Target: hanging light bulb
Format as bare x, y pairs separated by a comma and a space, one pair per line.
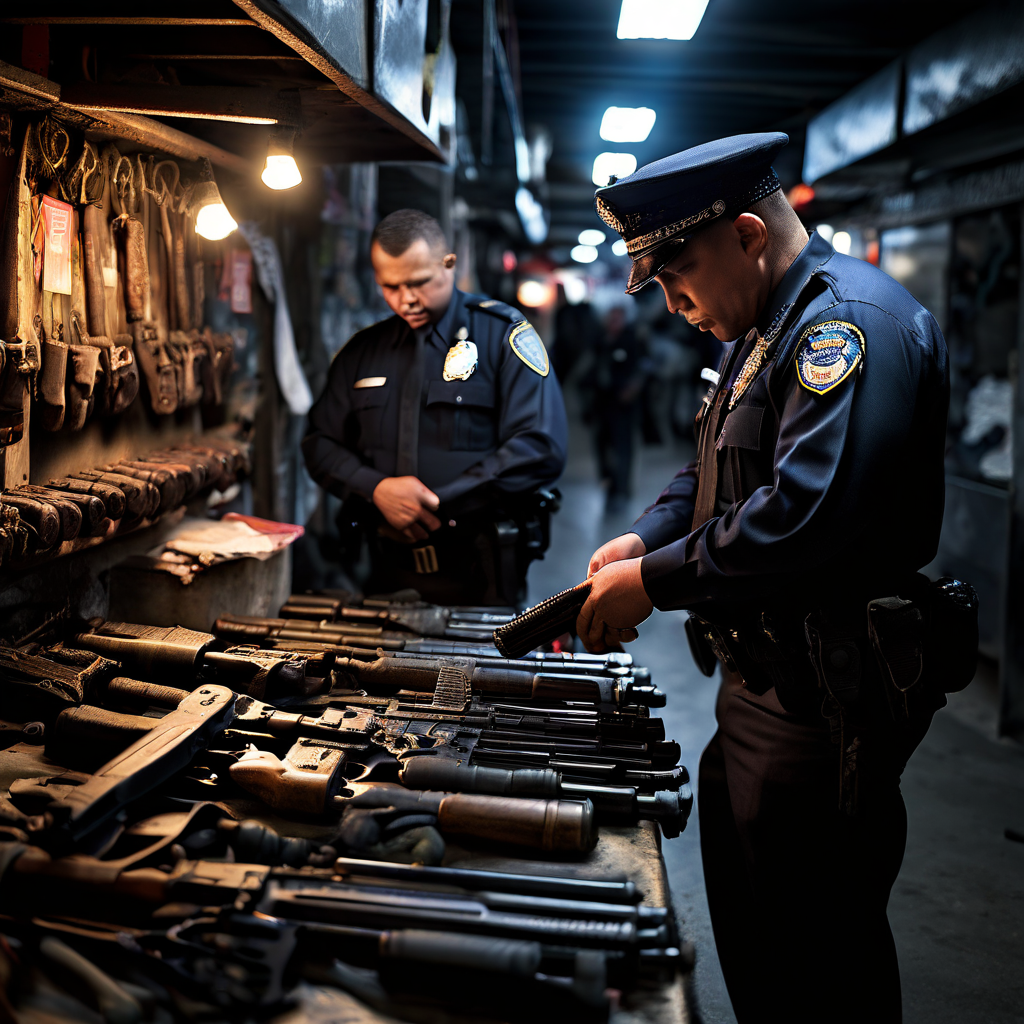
281, 171
213, 220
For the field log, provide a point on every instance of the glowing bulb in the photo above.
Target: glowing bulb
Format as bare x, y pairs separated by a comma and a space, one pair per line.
826, 231
842, 242
583, 253
592, 236
619, 247
212, 219
214, 222
535, 293
281, 171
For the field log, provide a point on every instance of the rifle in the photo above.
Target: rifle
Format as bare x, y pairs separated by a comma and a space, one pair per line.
425, 749
168, 652
482, 926
412, 616
306, 634
159, 652
84, 812
490, 676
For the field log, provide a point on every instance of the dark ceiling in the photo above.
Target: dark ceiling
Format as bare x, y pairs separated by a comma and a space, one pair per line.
751, 66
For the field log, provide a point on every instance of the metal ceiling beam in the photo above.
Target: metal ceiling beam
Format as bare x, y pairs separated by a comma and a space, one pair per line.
95, 19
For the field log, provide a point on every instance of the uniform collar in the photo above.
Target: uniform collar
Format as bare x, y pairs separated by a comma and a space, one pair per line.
444, 330
814, 255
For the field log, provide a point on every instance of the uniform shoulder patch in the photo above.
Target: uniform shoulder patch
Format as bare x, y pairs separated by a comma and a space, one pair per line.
496, 308
828, 353
527, 345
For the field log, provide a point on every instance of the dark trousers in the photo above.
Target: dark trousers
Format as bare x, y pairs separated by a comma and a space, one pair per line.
798, 890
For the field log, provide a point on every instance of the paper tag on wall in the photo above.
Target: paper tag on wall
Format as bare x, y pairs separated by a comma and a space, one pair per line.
58, 230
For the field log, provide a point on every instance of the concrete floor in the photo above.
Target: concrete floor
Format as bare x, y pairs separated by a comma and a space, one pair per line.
957, 909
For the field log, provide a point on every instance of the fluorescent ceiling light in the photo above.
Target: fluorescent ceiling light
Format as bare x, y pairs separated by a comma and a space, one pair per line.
592, 236
619, 247
627, 124
660, 19
609, 165
583, 253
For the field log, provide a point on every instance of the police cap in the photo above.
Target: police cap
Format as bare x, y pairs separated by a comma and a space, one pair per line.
659, 206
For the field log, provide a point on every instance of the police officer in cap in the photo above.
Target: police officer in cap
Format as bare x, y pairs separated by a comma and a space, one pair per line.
827, 414
440, 427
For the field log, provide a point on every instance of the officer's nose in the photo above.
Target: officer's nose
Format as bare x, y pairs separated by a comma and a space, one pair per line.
676, 301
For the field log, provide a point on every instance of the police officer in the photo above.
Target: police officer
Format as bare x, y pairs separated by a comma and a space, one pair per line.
438, 426
818, 488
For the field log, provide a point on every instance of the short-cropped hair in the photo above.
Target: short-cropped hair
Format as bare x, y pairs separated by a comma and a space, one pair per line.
401, 229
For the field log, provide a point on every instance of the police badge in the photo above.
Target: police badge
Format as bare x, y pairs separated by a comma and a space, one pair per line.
462, 358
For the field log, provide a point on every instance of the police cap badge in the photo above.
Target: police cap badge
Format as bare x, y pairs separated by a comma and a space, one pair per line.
659, 206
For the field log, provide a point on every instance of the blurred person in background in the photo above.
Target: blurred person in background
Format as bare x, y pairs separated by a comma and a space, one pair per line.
612, 388
576, 329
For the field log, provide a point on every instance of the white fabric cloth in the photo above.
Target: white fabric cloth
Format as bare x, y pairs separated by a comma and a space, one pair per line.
270, 274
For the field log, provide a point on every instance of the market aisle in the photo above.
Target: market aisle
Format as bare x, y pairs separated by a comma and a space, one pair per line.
957, 909
578, 529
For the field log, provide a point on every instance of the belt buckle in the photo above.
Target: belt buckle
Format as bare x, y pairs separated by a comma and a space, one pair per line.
425, 559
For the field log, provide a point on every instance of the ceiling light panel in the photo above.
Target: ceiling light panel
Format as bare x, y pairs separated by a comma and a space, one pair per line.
660, 19
627, 124
609, 165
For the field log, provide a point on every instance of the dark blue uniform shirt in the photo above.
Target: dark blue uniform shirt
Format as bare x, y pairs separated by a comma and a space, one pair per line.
817, 493
502, 430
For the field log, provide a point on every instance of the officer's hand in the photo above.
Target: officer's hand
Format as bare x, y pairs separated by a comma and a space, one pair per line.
617, 604
629, 545
406, 503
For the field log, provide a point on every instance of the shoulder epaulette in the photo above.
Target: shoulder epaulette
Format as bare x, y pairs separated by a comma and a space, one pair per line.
496, 308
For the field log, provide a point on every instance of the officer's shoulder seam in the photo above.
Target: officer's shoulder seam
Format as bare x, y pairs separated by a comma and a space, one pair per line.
498, 309
909, 328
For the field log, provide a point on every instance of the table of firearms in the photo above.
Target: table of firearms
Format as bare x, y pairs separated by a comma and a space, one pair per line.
630, 853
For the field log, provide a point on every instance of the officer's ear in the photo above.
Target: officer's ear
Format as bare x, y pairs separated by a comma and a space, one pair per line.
449, 261
753, 234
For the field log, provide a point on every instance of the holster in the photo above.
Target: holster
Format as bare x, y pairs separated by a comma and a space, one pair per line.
119, 374
218, 365
82, 374
835, 652
50, 380
951, 652
701, 649
157, 368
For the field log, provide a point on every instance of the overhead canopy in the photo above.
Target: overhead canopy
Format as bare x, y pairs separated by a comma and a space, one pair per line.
225, 73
